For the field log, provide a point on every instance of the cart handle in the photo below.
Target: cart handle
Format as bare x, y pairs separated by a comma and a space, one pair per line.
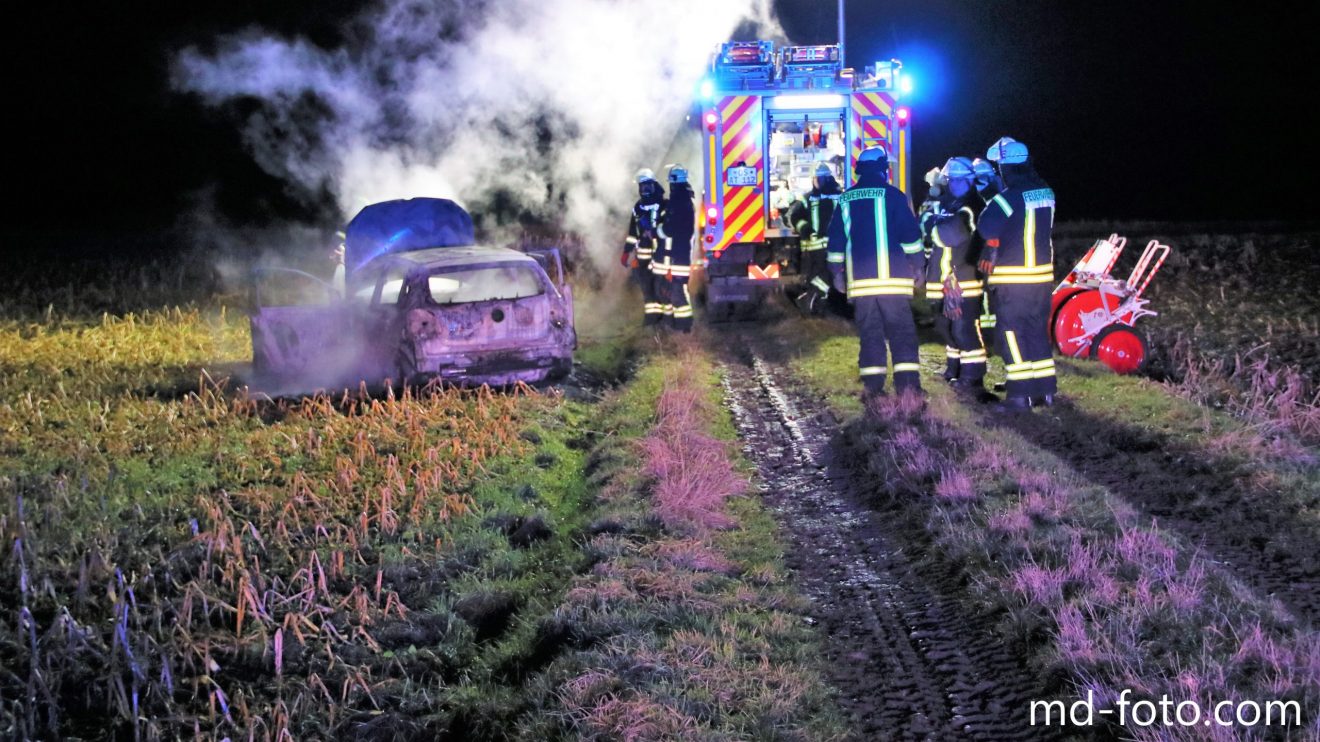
1152, 258
1113, 247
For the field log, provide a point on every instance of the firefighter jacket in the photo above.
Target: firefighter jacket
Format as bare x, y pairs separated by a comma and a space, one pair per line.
1017, 225
647, 214
673, 254
875, 239
926, 213
956, 251
810, 215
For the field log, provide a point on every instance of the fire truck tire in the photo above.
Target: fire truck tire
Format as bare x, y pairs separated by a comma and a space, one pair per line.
1121, 348
720, 311
1066, 326
700, 296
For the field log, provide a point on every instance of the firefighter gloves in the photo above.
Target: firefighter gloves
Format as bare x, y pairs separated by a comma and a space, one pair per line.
953, 296
988, 257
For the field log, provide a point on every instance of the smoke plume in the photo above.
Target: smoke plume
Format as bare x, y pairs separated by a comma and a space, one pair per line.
539, 110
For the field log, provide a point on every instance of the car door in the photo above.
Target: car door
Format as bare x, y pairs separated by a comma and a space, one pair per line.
380, 321
300, 326
553, 264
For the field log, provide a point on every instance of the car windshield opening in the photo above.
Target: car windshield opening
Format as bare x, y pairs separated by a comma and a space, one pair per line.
484, 284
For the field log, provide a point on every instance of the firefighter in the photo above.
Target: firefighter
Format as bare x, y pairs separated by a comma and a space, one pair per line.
952, 282
927, 214
1018, 260
810, 218
988, 186
639, 247
674, 264
875, 256
987, 180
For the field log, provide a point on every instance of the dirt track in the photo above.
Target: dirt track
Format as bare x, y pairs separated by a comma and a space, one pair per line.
908, 659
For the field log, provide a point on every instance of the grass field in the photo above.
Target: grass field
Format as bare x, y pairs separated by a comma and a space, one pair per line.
184, 558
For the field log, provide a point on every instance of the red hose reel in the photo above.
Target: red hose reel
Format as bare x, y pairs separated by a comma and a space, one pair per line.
1092, 313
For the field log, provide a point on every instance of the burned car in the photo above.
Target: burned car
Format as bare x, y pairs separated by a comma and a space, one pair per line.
464, 314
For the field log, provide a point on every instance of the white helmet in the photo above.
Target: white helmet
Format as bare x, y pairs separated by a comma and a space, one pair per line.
644, 175
984, 171
1007, 151
957, 168
874, 154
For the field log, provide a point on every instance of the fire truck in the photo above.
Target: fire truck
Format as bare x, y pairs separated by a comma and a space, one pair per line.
769, 119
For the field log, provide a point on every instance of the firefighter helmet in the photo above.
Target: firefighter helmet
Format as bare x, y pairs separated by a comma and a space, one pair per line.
874, 154
1007, 151
998, 145
644, 175
678, 174
823, 171
983, 170
956, 168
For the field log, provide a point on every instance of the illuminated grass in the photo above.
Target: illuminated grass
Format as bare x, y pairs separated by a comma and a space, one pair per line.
1102, 594
687, 631
179, 555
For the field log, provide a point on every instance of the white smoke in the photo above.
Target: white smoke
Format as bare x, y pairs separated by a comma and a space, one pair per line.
548, 106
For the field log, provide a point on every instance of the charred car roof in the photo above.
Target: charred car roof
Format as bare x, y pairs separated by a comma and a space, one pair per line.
442, 257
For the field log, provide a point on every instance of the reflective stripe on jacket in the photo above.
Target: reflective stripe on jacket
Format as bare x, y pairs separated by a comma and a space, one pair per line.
1019, 225
875, 237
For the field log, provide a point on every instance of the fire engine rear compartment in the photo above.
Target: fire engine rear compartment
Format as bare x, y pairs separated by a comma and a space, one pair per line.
770, 119
795, 143
798, 143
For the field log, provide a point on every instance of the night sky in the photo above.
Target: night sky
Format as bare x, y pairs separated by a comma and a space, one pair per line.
1146, 110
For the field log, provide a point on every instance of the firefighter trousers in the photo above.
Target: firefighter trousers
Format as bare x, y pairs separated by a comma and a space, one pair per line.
887, 321
653, 309
986, 324
815, 269
964, 354
944, 328
1022, 314
678, 303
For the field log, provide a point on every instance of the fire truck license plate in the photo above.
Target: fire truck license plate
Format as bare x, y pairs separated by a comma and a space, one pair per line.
740, 176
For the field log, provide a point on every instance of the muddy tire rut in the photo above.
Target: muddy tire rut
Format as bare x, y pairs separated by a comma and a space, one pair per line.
909, 660
1210, 502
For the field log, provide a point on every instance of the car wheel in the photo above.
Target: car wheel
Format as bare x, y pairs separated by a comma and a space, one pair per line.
405, 369
560, 370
